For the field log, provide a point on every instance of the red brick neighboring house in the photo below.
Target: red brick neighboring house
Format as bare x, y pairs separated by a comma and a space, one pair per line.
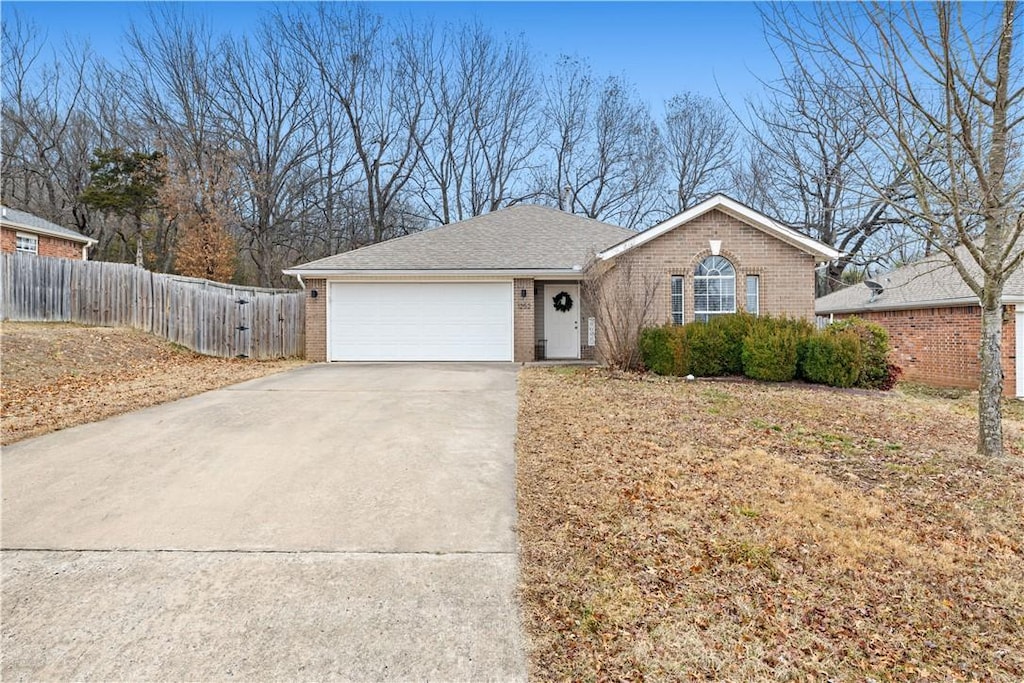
510, 285
934, 323
24, 233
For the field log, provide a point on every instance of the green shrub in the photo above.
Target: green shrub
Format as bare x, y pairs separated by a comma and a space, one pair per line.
704, 348
875, 371
773, 347
681, 350
833, 358
656, 350
725, 340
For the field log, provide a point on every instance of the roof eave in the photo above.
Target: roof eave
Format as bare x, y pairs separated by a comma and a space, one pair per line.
903, 306
447, 272
82, 239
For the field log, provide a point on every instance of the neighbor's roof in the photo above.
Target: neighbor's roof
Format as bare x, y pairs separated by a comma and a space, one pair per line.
930, 282
519, 238
740, 212
22, 220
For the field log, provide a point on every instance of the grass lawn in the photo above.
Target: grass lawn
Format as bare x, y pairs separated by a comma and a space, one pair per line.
56, 375
743, 531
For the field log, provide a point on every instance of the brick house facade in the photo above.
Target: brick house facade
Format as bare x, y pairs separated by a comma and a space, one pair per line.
934, 322
369, 300
939, 346
54, 247
785, 274
25, 233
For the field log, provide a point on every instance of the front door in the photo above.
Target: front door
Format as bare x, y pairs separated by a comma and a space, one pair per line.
562, 320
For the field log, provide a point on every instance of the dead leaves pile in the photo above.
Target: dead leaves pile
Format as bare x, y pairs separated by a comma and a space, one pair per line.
56, 376
737, 531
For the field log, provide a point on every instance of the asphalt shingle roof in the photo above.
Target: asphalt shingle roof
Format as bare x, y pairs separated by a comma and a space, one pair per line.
931, 281
523, 237
30, 221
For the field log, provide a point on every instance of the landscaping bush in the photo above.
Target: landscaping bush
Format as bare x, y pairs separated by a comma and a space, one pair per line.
833, 358
875, 371
665, 350
773, 347
705, 350
656, 350
725, 335
681, 351
892, 375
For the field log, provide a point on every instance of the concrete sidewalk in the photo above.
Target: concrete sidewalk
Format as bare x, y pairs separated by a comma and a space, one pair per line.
337, 521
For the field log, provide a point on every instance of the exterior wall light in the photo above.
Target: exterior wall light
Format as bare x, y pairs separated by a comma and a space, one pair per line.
313, 294
522, 293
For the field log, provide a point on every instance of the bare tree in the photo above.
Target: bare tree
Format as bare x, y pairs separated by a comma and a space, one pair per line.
47, 133
605, 146
483, 128
624, 302
946, 82
815, 150
377, 80
700, 140
175, 85
262, 110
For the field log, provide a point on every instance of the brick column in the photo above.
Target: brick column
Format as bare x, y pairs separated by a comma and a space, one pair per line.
522, 320
316, 320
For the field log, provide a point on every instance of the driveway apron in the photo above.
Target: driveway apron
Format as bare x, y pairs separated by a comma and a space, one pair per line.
350, 521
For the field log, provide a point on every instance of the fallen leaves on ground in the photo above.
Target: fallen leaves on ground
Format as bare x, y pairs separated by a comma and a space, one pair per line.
56, 376
745, 531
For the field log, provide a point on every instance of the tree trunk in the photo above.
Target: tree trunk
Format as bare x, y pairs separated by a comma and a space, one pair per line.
990, 391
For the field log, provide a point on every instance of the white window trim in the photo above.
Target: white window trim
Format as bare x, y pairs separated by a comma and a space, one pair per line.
680, 297
34, 239
757, 294
697, 313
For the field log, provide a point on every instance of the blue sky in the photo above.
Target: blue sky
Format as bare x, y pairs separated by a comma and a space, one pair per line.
663, 47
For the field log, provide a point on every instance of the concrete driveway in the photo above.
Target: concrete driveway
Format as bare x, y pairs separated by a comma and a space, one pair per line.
335, 521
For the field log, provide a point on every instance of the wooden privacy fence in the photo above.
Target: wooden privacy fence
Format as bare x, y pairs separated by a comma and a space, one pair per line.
205, 316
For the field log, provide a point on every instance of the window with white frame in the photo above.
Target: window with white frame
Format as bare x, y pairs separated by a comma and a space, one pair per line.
677, 300
754, 294
26, 243
714, 288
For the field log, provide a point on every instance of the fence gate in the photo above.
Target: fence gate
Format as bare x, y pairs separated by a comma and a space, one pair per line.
243, 330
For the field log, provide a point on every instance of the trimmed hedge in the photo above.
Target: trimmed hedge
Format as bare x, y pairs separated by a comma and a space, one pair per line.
875, 372
848, 353
728, 333
772, 351
833, 358
656, 350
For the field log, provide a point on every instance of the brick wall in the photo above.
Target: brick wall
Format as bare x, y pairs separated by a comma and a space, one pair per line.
523, 321
53, 247
7, 240
786, 273
939, 346
316, 320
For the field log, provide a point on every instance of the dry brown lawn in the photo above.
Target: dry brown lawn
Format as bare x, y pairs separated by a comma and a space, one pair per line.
56, 376
741, 531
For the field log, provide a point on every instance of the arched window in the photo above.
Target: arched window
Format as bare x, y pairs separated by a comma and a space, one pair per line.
714, 288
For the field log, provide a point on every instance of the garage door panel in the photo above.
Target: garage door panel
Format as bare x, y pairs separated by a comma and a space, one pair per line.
421, 321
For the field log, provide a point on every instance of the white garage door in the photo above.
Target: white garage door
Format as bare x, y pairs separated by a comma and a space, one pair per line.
421, 321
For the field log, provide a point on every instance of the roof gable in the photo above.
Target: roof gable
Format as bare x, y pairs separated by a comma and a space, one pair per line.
22, 220
518, 238
738, 211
